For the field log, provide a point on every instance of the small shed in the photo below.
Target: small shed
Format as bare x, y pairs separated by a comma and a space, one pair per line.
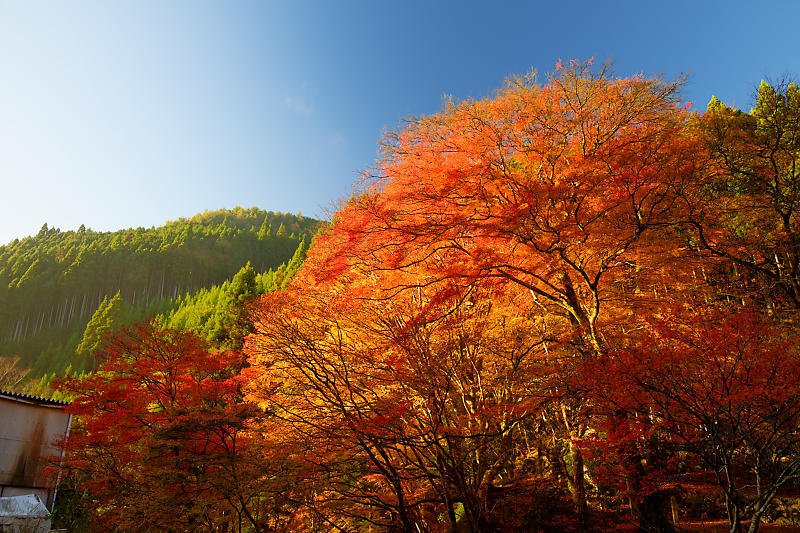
24, 514
30, 430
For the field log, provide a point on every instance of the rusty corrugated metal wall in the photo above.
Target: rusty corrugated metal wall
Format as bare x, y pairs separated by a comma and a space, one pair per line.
28, 436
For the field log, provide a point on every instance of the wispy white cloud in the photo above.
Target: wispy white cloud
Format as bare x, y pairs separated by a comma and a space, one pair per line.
336, 140
298, 105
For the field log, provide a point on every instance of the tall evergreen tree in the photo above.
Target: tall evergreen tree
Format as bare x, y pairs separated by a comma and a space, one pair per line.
294, 265
106, 319
266, 230
91, 335
243, 286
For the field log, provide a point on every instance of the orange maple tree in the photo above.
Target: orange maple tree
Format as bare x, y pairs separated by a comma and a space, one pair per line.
560, 203
566, 189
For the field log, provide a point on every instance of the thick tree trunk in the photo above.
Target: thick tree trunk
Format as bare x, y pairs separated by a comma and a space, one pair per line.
734, 519
673, 504
578, 485
653, 513
755, 521
649, 509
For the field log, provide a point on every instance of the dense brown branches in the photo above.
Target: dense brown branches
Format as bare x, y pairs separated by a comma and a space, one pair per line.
419, 412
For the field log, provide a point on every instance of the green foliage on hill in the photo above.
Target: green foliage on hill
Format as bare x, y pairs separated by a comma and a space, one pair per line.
219, 313
107, 317
55, 283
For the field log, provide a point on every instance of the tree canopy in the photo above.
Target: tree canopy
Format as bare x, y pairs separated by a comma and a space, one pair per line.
543, 310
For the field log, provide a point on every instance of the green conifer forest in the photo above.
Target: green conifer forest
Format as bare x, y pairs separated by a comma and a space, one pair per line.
61, 291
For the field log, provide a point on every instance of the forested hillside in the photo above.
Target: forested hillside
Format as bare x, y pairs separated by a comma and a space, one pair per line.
53, 283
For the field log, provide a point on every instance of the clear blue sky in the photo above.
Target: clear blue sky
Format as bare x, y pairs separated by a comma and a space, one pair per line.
120, 114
